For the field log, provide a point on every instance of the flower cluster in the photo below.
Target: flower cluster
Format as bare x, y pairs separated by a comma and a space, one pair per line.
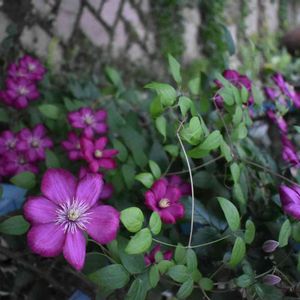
21, 82
236, 79
164, 198
90, 145
66, 211
23, 150
283, 96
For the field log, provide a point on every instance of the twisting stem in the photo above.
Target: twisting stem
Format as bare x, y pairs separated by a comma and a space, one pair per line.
192, 184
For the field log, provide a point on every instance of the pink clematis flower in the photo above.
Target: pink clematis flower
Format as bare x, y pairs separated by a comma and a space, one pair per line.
164, 199
184, 187
290, 200
34, 143
96, 155
278, 120
107, 189
150, 257
91, 122
65, 211
21, 91
289, 153
16, 162
8, 141
32, 67
72, 146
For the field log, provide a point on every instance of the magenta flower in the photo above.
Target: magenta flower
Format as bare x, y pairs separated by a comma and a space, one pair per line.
278, 120
34, 143
107, 189
8, 141
236, 79
290, 200
96, 155
72, 146
91, 122
15, 72
150, 257
17, 162
164, 199
32, 67
5, 98
184, 187
66, 210
21, 92
289, 153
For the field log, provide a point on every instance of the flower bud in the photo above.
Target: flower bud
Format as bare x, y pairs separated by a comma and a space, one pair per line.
269, 246
271, 279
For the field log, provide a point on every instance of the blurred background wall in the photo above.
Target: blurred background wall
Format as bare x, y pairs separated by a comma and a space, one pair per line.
137, 33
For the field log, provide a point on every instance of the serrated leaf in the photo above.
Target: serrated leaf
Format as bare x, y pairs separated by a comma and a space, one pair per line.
231, 213
140, 242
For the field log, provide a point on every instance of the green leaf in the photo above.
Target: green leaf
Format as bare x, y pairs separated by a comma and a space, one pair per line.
194, 85
240, 132
50, 111
166, 92
164, 266
110, 277
25, 180
186, 289
229, 40
238, 252
285, 233
191, 260
140, 242
180, 254
123, 153
137, 291
238, 116
297, 128
225, 150
146, 179
174, 68
231, 213
4, 117
155, 223
15, 225
154, 276
235, 172
196, 275
113, 76
244, 281
156, 107
206, 284
249, 232
51, 159
132, 218
179, 273
185, 104
173, 150
128, 172
244, 94
161, 126
155, 169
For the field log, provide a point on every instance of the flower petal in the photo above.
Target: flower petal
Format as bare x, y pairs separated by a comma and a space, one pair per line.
75, 248
159, 188
150, 200
288, 195
107, 163
173, 194
89, 188
58, 185
104, 225
39, 210
46, 239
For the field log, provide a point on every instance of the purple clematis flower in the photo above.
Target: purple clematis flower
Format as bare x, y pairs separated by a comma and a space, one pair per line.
8, 141
91, 122
6, 99
72, 146
164, 199
16, 162
289, 153
107, 189
34, 143
150, 257
96, 155
184, 187
21, 91
278, 120
65, 211
32, 67
290, 200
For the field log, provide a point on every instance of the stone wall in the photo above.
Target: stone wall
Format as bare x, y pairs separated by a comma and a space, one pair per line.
123, 30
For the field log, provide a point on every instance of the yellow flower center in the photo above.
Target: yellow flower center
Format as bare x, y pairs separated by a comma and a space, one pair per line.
164, 203
98, 153
73, 214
